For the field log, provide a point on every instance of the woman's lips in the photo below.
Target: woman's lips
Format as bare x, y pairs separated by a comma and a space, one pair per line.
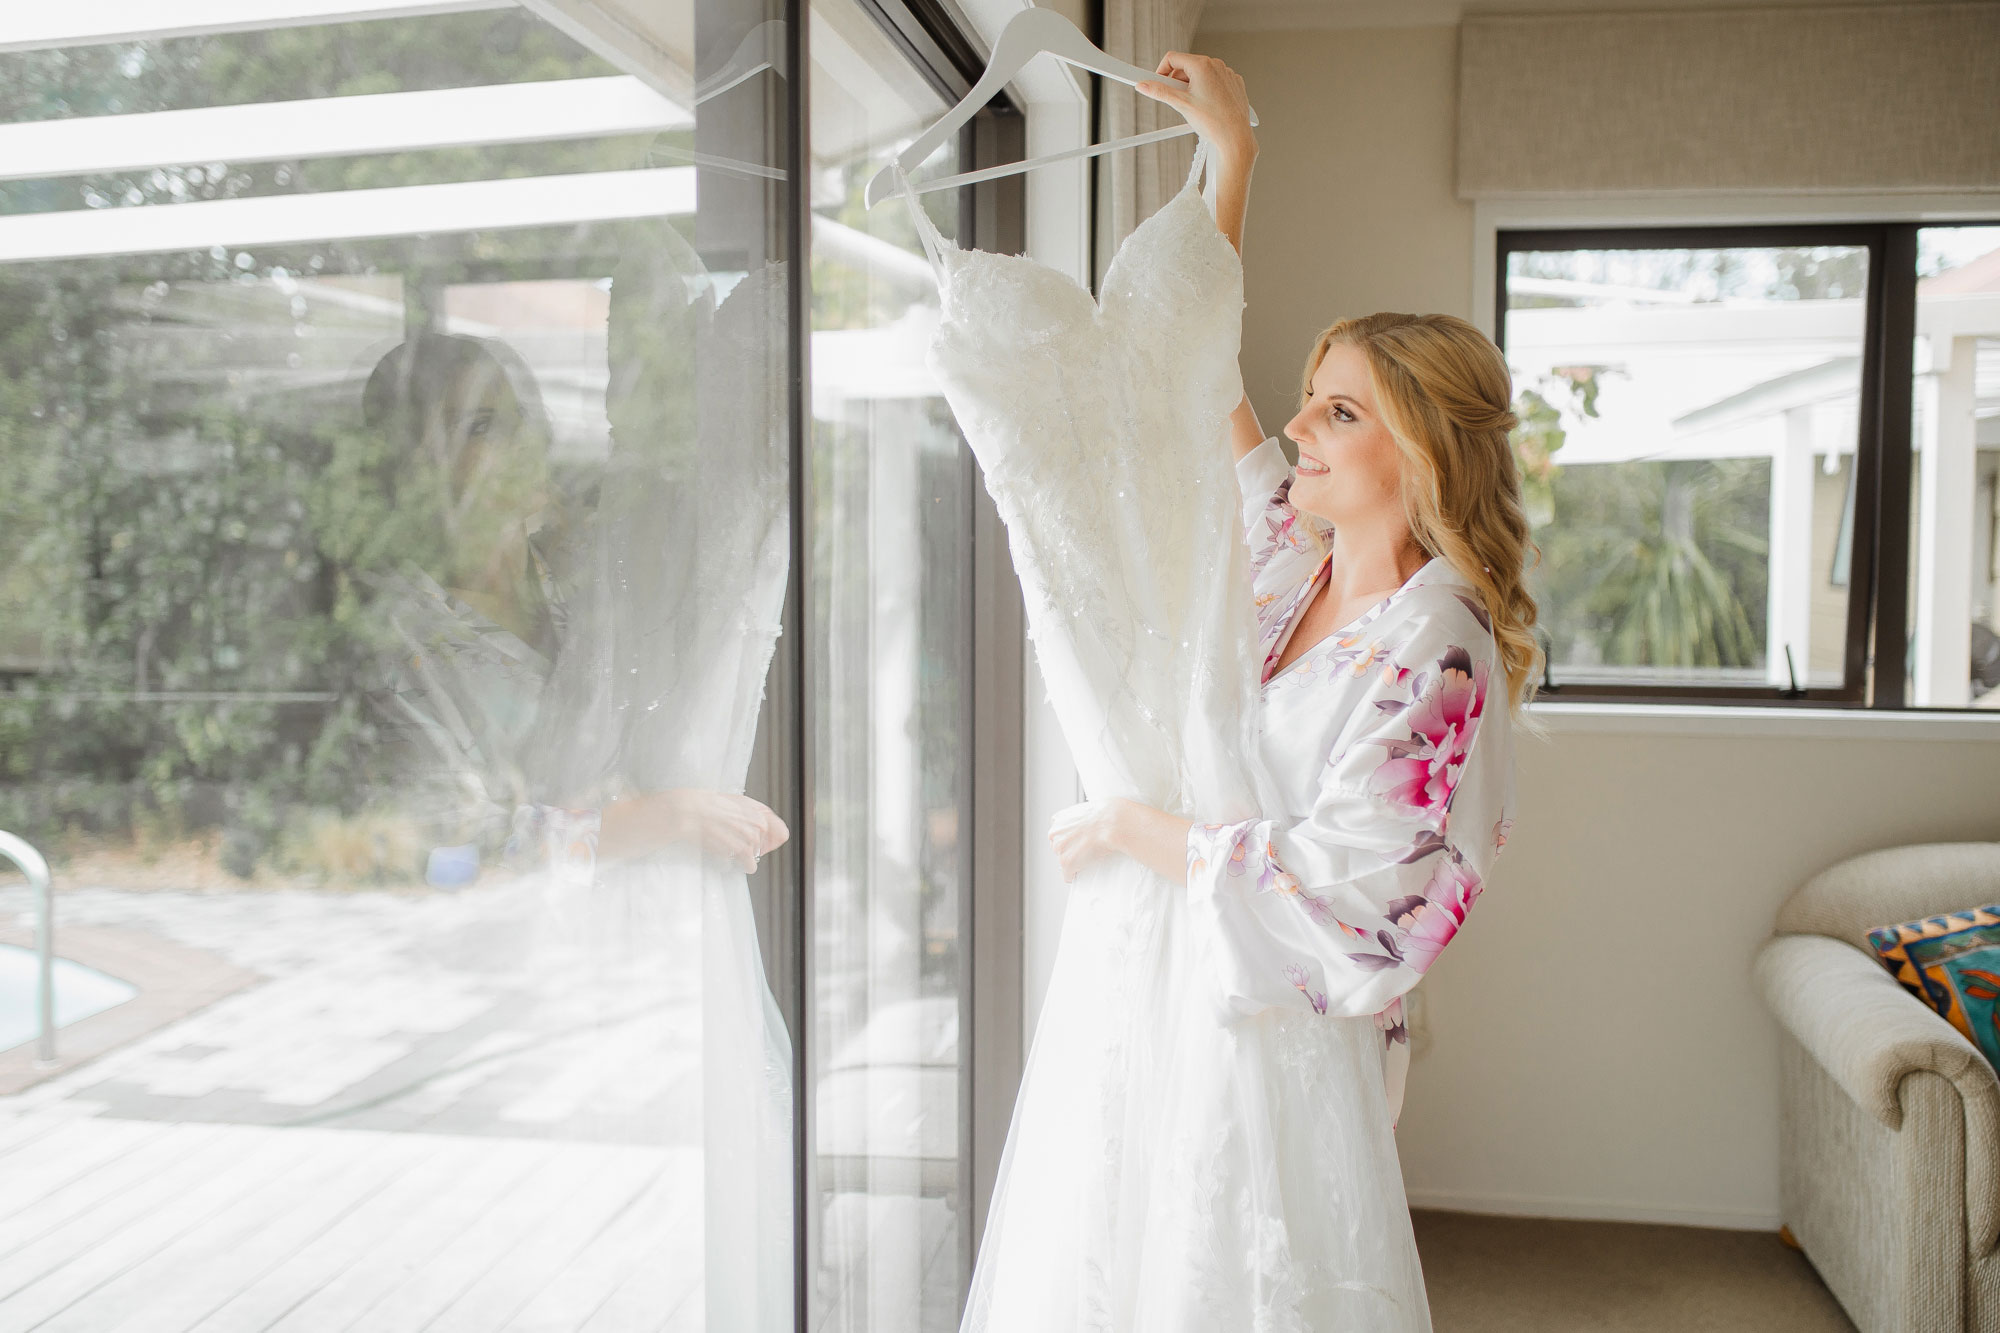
1312, 467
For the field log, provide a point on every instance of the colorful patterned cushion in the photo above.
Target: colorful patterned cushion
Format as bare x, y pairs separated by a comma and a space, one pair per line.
1952, 964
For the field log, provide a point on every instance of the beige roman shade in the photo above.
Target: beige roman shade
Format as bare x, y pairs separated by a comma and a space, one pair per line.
1888, 97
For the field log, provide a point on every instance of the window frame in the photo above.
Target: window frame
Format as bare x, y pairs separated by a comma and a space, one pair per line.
936, 41
1874, 670
992, 216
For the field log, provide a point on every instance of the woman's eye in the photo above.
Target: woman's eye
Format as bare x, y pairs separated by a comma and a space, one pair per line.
1342, 414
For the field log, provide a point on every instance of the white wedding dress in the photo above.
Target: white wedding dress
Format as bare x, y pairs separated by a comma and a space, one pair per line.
1180, 1161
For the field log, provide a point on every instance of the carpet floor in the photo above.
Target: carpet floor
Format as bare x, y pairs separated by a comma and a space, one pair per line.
1534, 1275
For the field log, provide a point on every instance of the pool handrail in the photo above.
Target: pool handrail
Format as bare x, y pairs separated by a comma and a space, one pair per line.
36, 869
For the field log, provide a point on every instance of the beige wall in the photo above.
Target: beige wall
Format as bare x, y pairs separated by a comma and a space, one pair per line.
1595, 1045
1591, 1045
1352, 208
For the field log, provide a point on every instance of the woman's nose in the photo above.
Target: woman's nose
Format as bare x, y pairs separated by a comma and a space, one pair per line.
1294, 427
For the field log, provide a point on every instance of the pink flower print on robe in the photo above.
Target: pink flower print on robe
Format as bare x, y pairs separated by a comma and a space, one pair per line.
1427, 921
1360, 656
1421, 772
1359, 882
1301, 978
1390, 1023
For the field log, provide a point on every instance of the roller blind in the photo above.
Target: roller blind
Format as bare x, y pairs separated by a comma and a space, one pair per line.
1881, 98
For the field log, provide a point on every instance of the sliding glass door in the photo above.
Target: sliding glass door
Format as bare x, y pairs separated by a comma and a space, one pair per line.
890, 558
395, 529
488, 599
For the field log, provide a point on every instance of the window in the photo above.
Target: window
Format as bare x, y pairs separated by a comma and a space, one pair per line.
1709, 425
891, 531
371, 388
1954, 618
433, 446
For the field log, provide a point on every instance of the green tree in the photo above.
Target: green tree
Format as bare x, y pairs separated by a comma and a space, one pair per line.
1661, 564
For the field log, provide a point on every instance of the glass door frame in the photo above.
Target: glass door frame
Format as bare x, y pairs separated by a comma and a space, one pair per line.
992, 216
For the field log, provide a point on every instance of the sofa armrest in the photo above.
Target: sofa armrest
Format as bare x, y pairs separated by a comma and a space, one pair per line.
1869, 1035
1863, 1028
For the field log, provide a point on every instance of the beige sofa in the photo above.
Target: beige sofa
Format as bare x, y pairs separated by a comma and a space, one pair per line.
1889, 1168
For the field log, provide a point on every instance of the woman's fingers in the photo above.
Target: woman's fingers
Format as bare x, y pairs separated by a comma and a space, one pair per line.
1213, 99
1172, 66
1071, 834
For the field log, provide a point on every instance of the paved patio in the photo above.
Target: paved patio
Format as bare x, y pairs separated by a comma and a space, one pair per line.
480, 1012
380, 1111
109, 1224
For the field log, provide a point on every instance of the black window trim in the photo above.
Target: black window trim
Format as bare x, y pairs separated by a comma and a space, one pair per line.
992, 216
1874, 668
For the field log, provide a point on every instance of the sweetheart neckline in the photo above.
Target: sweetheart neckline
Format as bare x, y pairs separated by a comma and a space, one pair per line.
1097, 300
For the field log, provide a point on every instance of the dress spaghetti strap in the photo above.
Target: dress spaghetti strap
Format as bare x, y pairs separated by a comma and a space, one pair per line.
1200, 161
927, 230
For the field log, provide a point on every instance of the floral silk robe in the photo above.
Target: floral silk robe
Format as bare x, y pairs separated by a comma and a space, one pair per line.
1391, 743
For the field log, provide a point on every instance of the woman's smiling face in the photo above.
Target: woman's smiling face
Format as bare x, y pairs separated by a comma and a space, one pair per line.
1349, 464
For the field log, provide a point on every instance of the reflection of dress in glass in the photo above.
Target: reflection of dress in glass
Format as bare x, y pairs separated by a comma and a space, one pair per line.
694, 557
1153, 1176
657, 619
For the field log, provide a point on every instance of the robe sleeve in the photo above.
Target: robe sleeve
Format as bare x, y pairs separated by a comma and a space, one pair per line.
1259, 474
1284, 543
1344, 910
559, 840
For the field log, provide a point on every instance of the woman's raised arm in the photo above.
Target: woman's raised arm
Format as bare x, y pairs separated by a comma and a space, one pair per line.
1245, 433
1215, 104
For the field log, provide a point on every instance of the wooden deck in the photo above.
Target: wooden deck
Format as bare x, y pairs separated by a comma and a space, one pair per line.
132, 1226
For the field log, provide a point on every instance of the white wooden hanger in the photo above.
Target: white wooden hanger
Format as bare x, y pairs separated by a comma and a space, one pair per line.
1030, 33
762, 48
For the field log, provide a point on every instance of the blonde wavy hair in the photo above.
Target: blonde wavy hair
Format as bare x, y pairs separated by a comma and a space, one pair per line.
1446, 396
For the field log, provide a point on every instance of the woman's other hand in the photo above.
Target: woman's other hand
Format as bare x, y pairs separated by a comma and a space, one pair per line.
1214, 102
1084, 835
725, 825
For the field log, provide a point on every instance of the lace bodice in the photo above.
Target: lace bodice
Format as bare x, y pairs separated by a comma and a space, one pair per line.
1101, 428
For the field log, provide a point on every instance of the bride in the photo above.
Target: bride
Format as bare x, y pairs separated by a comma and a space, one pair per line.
1396, 647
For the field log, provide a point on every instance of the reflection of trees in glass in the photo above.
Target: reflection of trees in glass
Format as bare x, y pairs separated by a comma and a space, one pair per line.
1658, 563
943, 674
156, 550
181, 540
175, 548
848, 295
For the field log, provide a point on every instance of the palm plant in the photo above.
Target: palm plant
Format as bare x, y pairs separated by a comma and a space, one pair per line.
1661, 563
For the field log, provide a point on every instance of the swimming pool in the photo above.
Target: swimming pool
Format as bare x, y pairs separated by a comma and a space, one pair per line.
80, 992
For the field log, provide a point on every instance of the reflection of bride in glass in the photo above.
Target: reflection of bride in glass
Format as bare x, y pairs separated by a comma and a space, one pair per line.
482, 605
579, 672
